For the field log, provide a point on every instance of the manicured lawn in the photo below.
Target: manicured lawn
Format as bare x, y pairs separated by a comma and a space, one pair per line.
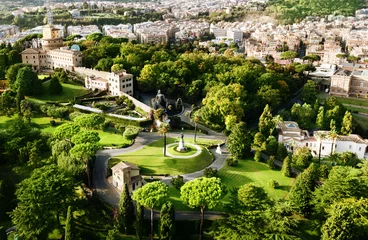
112, 137
356, 109
70, 91
190, 150
42, 76
344, 100
249, 171
150, 159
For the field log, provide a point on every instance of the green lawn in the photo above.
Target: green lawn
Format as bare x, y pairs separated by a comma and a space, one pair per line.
356, 109
344, 100
190, 150
42, 76
151, 160
70, 91
249, 171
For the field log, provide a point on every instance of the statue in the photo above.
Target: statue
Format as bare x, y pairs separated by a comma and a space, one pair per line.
218, 149
181, 147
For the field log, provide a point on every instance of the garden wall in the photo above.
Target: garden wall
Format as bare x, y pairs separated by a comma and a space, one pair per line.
89, 72
139, 104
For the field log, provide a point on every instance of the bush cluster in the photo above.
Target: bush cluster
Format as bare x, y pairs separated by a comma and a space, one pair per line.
232, 161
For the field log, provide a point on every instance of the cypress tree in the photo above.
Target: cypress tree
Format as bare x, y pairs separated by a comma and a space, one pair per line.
347, 123
69, 225
125, 211
139, 221
286, 167
320, 120
271, 162
281, 151
167, 221
301, 193
55, 86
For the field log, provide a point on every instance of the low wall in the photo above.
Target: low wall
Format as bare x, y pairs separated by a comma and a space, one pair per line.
89, 72
139, 104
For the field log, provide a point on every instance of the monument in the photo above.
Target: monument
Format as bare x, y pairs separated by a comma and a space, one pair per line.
218, 149
181, 147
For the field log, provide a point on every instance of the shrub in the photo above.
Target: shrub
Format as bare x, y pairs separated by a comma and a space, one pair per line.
323, 171
258, 156
131, 133
210, 172
232, 161
271, 162
52, 123
273, 183
73, 115
177, 182
101, 106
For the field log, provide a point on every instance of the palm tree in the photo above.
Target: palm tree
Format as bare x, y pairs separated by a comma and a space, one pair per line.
195, 120
321, 135
164, 128
333, 135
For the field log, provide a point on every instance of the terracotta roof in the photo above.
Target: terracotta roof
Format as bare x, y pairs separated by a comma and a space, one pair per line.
123, 165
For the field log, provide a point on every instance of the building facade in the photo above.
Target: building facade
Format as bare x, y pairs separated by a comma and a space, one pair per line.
293, 137
126, 173
52, 54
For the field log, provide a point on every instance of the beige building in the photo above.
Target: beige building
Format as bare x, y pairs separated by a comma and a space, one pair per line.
349, 83
126, 173
52, 55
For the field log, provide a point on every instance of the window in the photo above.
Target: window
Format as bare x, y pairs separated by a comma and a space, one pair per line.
306, 144
349, 146
323, 148
360, 148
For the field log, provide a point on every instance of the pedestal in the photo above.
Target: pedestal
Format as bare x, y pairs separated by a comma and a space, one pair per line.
181, 147
218, 149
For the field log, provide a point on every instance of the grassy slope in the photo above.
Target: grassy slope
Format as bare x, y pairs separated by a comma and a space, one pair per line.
151, 160
70, 91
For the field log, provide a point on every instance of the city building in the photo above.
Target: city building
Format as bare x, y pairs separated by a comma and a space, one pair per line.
293, 137
115, 83
353, 82
52, 55
82, 30
126, 173
120, 31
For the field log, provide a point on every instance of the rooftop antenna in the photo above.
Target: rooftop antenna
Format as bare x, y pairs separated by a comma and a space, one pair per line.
49, 12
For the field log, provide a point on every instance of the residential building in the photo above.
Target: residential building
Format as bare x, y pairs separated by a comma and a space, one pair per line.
75, 13
126, 173
293, 137
82, 30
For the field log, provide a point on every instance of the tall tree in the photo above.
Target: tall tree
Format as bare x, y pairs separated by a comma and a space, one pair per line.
301, 193
202, 193
320, 120
309, 93
41, 199
150, 196
302, 157
266, 124
28, 82
167, 221
347, 219
239, 140
125, 211
286, 167
333, 135
69, 225
347, 124
164, 128
253, 197
139, 218
281, 151
55, 86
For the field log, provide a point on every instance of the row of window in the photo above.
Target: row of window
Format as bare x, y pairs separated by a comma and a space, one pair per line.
323, 147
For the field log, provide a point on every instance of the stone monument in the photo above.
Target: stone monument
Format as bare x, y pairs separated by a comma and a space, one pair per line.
181, 147
218, 149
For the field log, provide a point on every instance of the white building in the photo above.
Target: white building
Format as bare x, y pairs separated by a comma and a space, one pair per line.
293, 137
83, 30
75, 13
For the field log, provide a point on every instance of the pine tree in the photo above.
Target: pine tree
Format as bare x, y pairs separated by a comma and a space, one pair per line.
167, 221
320, 120
286, 167
266, 123
125, 211
301, 193
281, 151
69, 225
139, 221
271, 162
55, 86
347, 124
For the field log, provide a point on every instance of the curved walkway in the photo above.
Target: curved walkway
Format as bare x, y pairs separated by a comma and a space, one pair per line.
199, 150
109, 194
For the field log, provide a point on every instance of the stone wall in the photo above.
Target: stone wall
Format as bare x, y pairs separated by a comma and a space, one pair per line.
89, 72
139, 104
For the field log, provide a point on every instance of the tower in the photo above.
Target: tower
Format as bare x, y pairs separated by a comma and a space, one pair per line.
51, 36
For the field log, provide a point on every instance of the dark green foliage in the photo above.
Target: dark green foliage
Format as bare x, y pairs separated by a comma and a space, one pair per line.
27, 81
210, 172
281, 152
125, 211
69, 225
253, 197
266, 124
323, 171
347, 124
138, 224
131, 132
286, 167
271, 162
11, 75
3, 235
232, 161
52, 123
55, 86
300, 195
90, 121
113, 234
86, 137
302, 157
239, 141
273, 184
167, 221
309, 93
258, 156
73, 115
177, 182
272, 145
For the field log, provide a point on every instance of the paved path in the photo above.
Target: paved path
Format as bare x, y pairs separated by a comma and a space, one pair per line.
109, 194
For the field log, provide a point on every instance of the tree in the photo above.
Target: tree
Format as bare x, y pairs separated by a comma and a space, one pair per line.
286, 167
239, 141
269, 96
303, 114
253, 197
289, 55
117, 67
347, 124
281, 151
271, 162
333, 135
28, 82
26, 110
125, 211
11, 74
69, 225
66, 131
302, 157
309, 92
300, 194
167, 221
321, 136
86, 137
104, 64
85, 152
266, 124
271, 145
320, 120
139, 218
163, 129
90, 121
347, 219
41, 199
113, 234
55, 86
202, 193
151, 195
